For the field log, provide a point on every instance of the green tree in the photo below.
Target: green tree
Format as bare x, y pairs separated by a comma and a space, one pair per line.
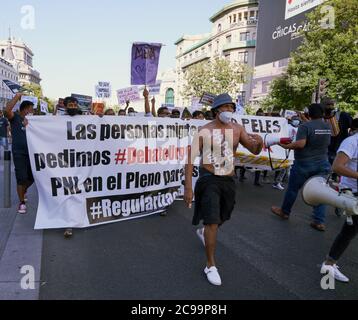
330, 53
36, 90
51, 104
216, 77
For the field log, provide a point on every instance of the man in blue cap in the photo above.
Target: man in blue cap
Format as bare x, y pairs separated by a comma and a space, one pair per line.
215, 190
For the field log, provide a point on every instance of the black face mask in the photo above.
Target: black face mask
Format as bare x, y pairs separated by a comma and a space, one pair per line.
72, 112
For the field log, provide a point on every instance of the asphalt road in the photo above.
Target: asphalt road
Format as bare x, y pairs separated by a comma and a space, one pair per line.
259, 257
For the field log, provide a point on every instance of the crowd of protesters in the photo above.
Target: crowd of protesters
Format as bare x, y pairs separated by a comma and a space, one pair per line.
322, 136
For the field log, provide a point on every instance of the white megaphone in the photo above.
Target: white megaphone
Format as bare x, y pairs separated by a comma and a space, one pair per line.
272, 140
317, 191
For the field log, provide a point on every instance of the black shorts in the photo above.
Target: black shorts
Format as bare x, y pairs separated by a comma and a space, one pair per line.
23, 170
214, 199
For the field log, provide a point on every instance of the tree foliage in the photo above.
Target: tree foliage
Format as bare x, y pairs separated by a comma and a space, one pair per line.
36, 91
329, 53
217, 76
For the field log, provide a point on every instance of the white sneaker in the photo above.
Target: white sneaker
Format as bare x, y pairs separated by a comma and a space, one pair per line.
213, 276
22, 208
200, 233
339, 276
278, 186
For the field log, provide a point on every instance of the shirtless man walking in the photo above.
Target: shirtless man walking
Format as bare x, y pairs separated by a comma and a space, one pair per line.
215, 190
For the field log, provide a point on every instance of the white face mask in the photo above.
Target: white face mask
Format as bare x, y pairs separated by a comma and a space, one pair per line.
226, 117
296, 123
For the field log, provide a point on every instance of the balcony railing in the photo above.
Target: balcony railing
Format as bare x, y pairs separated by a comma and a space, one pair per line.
194, 60
244, 23
239, 44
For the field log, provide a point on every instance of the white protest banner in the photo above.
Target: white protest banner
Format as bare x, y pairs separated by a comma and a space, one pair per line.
131, 94
103, 90
99, 171
275, 155
44, 106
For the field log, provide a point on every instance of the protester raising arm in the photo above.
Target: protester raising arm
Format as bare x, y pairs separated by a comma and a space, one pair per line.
146, 101
154, 112
127, 106
10, 106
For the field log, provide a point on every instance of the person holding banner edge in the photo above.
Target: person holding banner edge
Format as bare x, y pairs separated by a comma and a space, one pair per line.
23, 171
215, 190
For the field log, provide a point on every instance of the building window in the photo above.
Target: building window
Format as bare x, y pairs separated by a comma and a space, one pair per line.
227, 56
265, 86
244, 57
246, 15
283, 63
219, 28
230, 19
234, 18
169, 96
240, 16
2, 52
244, 36
252, 14
228, 39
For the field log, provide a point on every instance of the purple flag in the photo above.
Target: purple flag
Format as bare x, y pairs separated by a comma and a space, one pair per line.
145, 61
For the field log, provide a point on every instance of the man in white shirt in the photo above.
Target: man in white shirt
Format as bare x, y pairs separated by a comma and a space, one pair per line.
346, 165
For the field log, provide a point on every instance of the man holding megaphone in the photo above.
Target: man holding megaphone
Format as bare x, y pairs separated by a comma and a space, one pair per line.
345, 165
311, 159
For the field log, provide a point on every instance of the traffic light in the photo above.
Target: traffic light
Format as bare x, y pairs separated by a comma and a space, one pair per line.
323, 88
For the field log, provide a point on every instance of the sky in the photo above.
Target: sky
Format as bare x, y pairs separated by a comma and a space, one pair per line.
80, 42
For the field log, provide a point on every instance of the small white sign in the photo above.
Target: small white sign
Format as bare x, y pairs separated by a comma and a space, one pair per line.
131, 94
44, 106
296, 7
103, 90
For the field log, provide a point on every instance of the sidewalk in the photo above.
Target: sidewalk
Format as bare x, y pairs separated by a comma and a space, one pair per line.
20, 245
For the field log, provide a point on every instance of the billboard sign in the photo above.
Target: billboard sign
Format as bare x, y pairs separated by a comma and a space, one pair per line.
280, 24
